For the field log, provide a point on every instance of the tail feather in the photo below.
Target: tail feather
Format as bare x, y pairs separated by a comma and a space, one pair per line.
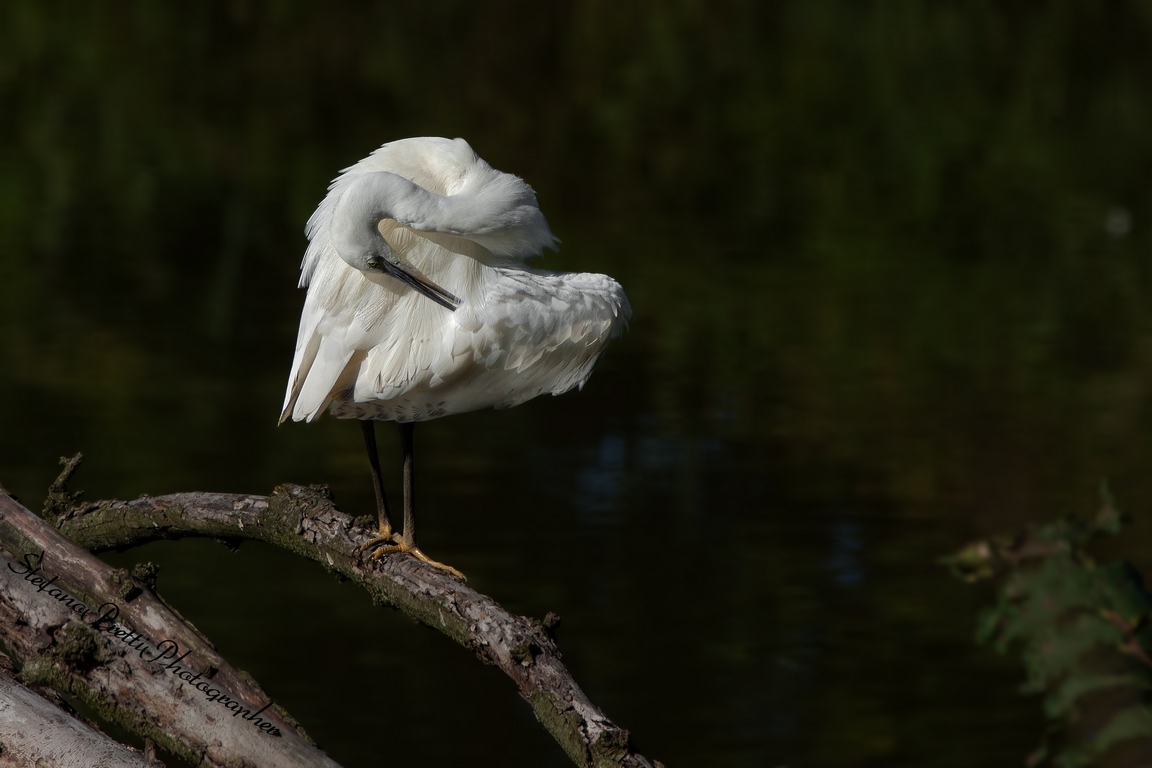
323, 364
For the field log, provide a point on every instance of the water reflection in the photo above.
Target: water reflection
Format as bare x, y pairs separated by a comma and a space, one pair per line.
600, 482
891, 289
842, 560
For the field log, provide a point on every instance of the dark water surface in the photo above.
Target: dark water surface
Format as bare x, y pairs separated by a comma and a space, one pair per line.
892, 292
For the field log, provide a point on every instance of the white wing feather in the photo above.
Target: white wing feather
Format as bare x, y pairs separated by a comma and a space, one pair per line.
531, 333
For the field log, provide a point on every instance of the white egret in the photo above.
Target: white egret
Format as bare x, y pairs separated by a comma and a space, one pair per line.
419, 304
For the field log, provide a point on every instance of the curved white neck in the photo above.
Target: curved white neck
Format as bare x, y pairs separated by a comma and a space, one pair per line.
500, 215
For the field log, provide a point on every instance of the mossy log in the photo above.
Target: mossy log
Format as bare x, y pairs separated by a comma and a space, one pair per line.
305, 521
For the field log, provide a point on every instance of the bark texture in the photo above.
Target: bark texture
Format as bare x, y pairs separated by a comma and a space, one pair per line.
99, 634
34, 731
304, 520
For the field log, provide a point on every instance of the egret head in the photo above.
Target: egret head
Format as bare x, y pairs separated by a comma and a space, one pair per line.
355, 233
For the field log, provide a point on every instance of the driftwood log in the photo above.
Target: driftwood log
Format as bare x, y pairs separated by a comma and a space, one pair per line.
300, 519
37, 731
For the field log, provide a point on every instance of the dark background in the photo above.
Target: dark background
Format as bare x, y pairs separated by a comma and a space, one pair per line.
889, 266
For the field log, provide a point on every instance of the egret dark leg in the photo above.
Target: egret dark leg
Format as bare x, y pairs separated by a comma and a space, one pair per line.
385, 536
368, 427
405, 541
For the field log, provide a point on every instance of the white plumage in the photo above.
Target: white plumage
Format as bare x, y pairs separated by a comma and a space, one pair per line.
372, 347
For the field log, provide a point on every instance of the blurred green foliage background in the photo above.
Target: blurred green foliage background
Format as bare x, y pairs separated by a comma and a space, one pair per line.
889, 265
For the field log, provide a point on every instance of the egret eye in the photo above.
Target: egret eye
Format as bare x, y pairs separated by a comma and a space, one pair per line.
375, 262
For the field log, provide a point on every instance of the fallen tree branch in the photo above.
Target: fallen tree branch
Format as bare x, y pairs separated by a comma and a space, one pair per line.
306, 522
34, 731
99, 634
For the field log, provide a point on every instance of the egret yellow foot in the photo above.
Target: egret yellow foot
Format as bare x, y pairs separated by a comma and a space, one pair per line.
385, 535
401, 544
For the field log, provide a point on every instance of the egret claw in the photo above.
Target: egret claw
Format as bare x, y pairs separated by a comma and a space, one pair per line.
385, 535
397, 543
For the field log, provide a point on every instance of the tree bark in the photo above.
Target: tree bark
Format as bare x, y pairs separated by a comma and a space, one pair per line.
305, 521
99, 634
34, 731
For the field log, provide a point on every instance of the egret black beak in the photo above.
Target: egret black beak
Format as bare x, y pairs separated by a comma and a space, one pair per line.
419, 284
